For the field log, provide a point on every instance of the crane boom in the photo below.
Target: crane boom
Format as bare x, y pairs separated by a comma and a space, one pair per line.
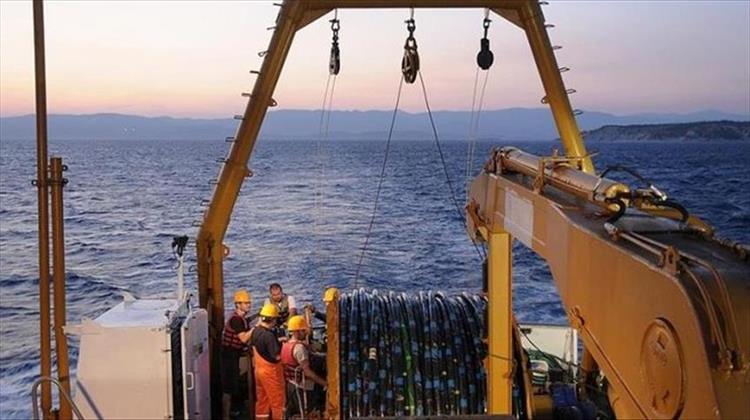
662, 306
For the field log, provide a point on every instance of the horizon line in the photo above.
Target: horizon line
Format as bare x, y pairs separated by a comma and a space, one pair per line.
746, 115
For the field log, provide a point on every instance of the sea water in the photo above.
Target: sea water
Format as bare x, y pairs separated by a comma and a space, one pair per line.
301, 220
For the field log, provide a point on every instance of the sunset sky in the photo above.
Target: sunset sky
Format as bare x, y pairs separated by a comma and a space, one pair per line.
191, 59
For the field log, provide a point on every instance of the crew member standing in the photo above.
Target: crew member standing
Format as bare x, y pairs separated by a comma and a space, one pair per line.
284, 303
295, 356
269, 372
234, 340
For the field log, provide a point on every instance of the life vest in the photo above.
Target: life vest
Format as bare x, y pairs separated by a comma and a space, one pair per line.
291, 373
283, 307
230, 338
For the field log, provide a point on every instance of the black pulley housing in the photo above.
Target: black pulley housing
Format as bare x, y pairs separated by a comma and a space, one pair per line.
334, 65
485, 56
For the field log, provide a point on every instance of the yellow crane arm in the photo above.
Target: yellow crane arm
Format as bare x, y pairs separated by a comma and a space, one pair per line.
664, 309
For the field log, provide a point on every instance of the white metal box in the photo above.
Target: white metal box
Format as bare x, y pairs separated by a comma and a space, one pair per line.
144, 359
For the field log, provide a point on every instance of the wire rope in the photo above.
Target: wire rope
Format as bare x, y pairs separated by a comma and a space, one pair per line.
470, 142
380, 183
445, 167
474, 126
323, 133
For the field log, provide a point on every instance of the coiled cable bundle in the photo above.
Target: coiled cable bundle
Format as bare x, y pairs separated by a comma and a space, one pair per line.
404, 355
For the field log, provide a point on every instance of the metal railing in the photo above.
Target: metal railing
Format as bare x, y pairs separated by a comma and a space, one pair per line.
35, 399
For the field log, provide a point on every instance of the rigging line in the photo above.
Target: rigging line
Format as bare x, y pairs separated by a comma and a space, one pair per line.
317, 203
324, 156
476, 122
380, 182
445, 167
471, 135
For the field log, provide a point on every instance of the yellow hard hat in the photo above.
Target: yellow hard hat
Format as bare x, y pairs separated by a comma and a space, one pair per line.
241, 295
297, 323
269, 310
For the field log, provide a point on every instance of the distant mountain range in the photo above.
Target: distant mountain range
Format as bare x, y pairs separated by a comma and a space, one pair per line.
696, 131
505, 124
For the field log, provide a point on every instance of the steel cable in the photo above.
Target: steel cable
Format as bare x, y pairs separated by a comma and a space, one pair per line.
476, 111
323, 130
445, 167
380, 182
470, 142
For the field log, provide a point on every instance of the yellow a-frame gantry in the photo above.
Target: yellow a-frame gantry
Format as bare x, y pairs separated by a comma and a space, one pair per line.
295, 15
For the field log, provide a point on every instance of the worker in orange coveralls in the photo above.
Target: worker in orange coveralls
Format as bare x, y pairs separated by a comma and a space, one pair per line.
270, 389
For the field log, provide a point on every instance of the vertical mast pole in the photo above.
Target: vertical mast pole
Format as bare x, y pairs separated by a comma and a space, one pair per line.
500, 320
57, 182
43, 206
333, 368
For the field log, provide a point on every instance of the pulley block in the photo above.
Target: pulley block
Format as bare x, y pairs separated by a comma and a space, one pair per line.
410, 62
485, 58
334, 64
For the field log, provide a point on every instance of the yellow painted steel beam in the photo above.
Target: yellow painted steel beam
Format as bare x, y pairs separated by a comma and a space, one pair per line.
333, 397
385, 4
500, 328
554, 87
235, 169
209, 244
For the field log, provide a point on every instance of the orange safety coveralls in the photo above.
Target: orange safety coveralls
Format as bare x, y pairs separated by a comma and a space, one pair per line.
270, 389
